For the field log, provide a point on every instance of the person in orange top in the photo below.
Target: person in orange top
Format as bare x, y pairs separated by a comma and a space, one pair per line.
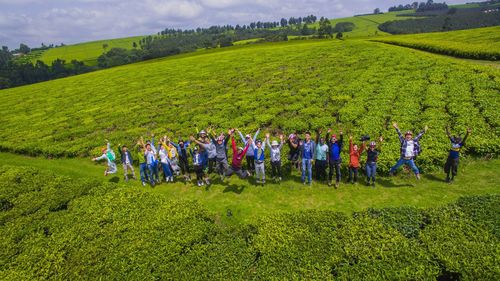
354, 155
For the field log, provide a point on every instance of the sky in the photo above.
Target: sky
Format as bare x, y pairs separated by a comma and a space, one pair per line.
72, 21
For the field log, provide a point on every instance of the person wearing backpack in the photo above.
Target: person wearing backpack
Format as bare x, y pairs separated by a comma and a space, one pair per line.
109, 155
451, 165
410, 148
127, 161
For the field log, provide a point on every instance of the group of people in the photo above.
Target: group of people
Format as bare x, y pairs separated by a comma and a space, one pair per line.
209, 154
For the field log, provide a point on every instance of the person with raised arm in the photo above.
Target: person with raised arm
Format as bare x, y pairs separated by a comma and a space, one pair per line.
275, 149
307, 147
250, 153
451, 165
371, 161
259, 158
321, 156
198, 165
354, 156
165, 161
238, 155
127, 161
294, 151
142, 162
109, 155
221, 150
334, 158
410, 148
150, 155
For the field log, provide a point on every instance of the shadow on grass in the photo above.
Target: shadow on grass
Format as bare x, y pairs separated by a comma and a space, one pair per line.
390, 184
234, 188
114, 179
432, 177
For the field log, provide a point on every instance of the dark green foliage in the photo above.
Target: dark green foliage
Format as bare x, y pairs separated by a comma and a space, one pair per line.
57, 228
461, 19
344, 27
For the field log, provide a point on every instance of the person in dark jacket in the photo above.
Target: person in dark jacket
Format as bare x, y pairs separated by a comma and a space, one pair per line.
451, 165
307, 147
334, 159
410, 148
127, 161
371, 161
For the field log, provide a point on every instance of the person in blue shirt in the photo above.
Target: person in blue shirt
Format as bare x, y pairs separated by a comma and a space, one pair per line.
451, 165
198, 165
334, 159
307, 151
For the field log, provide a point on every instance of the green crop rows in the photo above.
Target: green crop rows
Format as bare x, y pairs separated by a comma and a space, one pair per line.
87, 52
480, 43
360, 87
54, 228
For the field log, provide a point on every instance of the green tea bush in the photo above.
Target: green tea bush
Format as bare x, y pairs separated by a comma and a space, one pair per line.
105, 231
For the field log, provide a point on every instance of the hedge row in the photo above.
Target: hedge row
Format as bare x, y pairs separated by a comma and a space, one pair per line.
54, 228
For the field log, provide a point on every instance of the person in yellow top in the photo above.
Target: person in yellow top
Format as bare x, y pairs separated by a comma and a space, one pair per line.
173, 154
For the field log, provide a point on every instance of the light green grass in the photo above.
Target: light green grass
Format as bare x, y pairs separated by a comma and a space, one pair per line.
472, 43
247, 202
248, 41
87, 52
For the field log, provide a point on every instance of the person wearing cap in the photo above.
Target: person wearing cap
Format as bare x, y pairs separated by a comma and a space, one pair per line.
236, 163
371, 162
334, 159
410, 148
209, 155
307, 147
127, 161
275, 149
183, 158
321, 156
250, 153
197, 165
294, 151
451, 165
259, 158
109, 155
354, 155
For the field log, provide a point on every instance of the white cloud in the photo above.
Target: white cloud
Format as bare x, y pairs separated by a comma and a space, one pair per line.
56, 21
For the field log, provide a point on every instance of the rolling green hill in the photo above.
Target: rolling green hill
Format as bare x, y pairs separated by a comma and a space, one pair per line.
479, 43
354, 85
87, 52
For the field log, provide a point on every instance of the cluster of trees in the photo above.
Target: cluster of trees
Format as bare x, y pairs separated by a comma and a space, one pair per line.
454, 19
420, 7
14, 73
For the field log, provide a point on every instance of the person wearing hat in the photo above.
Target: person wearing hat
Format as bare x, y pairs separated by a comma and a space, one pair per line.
198, 165
294, 151
410, 148
109, 155
371, 162
307, 147
354, 156
334, 159
321, 156
236, 163
208, 155
275, 149
250, 156
451, 165
260, 167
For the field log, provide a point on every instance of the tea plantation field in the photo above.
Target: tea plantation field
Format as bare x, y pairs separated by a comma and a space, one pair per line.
358, 86
479, 43
57, 228
87, 52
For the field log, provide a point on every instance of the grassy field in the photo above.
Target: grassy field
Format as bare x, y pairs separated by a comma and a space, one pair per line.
87, 52
479, 43
302, 85
247, 202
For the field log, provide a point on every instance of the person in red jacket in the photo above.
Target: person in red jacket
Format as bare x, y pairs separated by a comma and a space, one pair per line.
354, 155
238, 155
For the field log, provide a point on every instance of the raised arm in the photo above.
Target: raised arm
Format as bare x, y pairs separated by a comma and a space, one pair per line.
233, 145
256, 134
281, 142
351, 146
267, 141
448, 133
469, 130
395, 125
422, 133
242, 137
